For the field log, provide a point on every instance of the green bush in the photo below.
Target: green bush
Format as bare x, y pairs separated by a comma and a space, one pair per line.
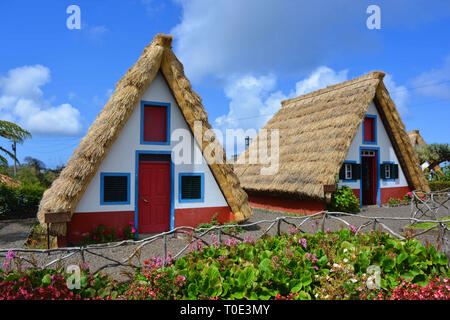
332, 265
344, 200
439, 185
22, 201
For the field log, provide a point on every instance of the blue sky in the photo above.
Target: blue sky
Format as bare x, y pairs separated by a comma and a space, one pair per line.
243, 58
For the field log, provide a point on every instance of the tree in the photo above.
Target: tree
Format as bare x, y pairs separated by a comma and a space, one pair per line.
434, 154
15, 134
37, 164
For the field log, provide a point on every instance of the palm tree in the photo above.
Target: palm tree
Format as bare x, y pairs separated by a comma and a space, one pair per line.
15, 134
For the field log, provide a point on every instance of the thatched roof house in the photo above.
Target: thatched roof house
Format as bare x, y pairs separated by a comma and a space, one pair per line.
415, 138
322, 130
154, 87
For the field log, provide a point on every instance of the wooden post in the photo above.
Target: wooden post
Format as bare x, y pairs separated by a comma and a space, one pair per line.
322, 227
327, 188
48, 237
165, 250
56, 217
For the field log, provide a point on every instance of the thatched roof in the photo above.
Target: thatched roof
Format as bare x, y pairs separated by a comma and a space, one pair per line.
67, 190
415, 138
315, 134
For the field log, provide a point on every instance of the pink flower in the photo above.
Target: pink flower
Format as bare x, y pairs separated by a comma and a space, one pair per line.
10, 255
302, 241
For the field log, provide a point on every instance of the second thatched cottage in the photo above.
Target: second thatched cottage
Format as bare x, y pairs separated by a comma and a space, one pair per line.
125, 170
351, 130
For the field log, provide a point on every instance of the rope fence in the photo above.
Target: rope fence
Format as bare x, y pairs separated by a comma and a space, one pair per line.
425, 207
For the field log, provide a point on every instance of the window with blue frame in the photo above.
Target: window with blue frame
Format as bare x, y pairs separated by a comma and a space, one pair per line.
370, 129
350, 171
389, 171
191, 187
114, 188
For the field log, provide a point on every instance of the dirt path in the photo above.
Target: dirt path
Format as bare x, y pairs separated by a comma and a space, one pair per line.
14, 233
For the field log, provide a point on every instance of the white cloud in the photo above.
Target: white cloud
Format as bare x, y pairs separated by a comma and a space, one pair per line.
434, 83
25, 81
222, 37
320, 78
399, 94
22, 102
254, 100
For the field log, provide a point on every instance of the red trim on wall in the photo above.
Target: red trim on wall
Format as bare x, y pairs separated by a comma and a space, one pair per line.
192, 217
285, 204
387, 193
395, 192
85, 222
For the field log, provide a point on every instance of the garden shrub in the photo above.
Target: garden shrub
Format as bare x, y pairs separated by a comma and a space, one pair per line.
49, 284
331, 265
439, 185
344, 200
21, 201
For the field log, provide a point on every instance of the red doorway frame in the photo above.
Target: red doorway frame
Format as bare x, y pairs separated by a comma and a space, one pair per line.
372, 197
165, 224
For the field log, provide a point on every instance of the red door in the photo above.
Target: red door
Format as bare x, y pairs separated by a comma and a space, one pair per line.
369, 179
154, 196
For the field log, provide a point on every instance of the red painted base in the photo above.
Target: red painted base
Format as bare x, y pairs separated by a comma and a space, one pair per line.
396, 192
85, 222
193, 217
287, 205
387, 193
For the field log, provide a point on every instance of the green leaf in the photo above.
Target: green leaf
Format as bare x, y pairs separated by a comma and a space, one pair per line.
306, 279
387, 264
401, 257
296, 285
266, 267
46, 280
193, 291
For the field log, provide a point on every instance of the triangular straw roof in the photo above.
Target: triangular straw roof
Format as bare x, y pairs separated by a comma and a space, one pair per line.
415, 138
67, 190
315, 134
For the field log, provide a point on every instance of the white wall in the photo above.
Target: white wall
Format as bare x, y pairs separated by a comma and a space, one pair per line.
122, 158
386, 153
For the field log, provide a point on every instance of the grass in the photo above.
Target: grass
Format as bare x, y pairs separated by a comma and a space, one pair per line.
426, 225
284, 213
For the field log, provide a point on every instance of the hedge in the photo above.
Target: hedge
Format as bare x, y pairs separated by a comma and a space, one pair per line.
19, 202
439, 185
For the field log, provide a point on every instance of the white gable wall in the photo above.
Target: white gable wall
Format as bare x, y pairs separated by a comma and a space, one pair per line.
122, 158
386, 152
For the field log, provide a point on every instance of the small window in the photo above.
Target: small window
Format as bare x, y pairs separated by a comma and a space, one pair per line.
348, 171
115, 188
387, 172
191, 187
369, 133
155, 123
